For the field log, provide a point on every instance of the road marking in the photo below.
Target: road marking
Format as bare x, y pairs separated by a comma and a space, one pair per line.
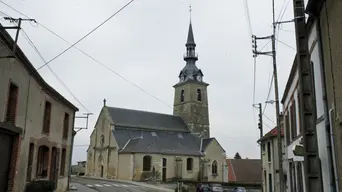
124, 185
89, 185
115, 185
97, 185
107, 185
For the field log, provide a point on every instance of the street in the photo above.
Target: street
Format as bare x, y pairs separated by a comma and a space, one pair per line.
107, 186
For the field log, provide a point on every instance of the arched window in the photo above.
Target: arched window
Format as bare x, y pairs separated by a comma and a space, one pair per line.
147, 161
182, 96
189, 164
199, 95
214, 168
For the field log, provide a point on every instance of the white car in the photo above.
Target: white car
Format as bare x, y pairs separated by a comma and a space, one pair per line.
240, 189
217, 188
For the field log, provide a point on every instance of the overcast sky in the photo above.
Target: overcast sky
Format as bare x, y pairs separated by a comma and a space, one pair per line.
145, 43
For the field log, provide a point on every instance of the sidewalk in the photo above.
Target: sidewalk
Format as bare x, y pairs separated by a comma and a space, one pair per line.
142, 184
78, 187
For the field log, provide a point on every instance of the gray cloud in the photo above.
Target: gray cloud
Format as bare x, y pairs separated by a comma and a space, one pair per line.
145, 44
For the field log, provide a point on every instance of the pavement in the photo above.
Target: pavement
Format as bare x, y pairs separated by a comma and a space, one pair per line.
89, 184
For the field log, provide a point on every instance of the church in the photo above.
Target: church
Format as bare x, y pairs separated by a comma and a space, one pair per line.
136, 145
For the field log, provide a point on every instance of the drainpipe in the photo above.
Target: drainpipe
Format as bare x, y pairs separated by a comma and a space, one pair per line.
71, 151
333, 151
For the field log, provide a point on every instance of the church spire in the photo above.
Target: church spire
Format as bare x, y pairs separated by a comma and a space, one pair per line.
191, 40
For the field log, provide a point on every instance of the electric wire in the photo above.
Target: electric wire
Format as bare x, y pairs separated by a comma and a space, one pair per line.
92, 58
105, 21
49, 67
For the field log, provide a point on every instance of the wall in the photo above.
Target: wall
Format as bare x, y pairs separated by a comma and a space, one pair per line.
194, 112
30, 110
331, 27
322, 135
137, 166
103, 154
215, 152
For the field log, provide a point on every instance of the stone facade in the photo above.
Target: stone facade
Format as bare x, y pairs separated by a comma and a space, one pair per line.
194, 112
30, 94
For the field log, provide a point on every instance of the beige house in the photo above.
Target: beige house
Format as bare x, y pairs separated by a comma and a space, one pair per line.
138, 145
270, 160
36, 124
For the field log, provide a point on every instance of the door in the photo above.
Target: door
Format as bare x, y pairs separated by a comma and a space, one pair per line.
101, 170
164, 169
5, 160
54, 166
30, 162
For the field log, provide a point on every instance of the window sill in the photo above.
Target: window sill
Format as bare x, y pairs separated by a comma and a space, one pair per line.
214, 174
189, 171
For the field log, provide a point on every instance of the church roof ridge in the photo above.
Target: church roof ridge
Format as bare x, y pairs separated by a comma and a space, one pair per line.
145, 111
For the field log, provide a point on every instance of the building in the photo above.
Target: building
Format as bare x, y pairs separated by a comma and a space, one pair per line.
325, 42
244, 171
270, 160
136, 145
36, 123
293, 136
79, 169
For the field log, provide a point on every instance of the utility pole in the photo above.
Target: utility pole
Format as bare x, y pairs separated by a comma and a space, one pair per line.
13, 20
312, 170
275, 76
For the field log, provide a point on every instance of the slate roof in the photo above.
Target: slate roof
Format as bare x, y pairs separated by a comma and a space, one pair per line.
165, 142
245, 170
272, 133
147, 120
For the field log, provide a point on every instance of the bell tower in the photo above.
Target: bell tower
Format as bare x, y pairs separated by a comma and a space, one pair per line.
191, 98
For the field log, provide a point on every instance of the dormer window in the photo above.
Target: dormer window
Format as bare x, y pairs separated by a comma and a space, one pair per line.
199, 95
182, 96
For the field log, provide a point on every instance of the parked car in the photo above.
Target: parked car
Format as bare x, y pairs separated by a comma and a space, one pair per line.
216, 187
240, 189
203, 188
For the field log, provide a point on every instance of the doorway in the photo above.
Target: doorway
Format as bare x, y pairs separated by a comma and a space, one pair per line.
5, 160
164, 170
101, 170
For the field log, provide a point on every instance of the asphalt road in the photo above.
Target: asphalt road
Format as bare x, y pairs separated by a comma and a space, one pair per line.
107, 186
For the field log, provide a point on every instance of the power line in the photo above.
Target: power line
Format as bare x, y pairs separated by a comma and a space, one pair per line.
92, 58
105, 21
56, 76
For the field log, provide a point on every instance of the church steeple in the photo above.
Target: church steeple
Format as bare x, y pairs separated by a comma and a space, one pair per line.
191, 41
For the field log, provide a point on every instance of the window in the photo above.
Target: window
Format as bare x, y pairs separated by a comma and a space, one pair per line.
66, 126
12, 101
269, 151
182, 96
214, 168
199, 95
287, 128
63, 162
293, 121
299, 176
299, 107
42, 162
180, 135
47, 117
147, 161
102, 140
154, 134
29, 164
189, 164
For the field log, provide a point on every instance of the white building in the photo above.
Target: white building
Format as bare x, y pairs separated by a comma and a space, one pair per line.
293, 135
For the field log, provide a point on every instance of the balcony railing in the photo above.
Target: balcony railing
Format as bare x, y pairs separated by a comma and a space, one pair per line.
190, 55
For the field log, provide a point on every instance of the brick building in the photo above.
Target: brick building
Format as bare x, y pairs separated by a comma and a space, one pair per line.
36, 124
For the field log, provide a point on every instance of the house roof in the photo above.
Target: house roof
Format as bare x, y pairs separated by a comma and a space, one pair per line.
245, 170
164, 142
290, 79
207, 141
272, 133
7, 40
130, 118
314, 6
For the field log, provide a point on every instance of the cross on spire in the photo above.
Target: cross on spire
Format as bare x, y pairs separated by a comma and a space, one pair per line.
190, 9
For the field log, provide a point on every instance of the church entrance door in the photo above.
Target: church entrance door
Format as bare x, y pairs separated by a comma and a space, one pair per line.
101, 170
164, 169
